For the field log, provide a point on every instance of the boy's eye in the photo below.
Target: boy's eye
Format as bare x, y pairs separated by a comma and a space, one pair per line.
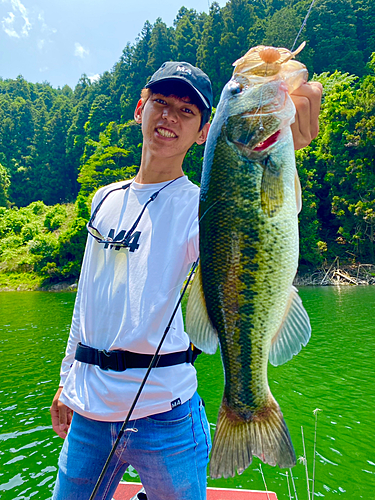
187, 110
160, 101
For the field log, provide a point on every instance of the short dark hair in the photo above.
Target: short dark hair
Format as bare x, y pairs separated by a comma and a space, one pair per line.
181, 90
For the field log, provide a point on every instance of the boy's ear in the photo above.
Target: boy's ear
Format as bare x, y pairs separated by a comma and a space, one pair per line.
138, 111
203, 134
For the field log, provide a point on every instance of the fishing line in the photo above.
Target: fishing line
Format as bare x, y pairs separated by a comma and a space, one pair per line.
303, 24
209, 208
152, 364
129, 430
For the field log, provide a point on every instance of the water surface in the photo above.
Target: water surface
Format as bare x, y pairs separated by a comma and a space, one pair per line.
334, 373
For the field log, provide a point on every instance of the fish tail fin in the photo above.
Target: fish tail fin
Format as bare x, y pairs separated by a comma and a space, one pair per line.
264, 435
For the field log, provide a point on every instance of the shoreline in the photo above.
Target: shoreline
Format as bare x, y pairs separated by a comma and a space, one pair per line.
333, 275
63, 286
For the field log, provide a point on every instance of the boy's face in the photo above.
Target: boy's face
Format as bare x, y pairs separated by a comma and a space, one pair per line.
170, 125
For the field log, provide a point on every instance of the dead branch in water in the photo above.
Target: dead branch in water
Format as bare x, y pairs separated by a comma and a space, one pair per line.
355, 274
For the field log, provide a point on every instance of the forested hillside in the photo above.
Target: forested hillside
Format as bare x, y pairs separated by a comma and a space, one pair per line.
59, 145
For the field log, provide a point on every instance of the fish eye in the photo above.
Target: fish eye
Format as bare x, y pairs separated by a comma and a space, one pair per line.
234, 87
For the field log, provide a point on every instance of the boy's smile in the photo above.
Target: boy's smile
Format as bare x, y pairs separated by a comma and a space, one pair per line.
165, 133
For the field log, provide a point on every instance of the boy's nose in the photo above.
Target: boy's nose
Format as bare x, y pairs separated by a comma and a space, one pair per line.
169, 114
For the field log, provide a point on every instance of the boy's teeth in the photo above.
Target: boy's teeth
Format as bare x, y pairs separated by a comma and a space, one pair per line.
165, 133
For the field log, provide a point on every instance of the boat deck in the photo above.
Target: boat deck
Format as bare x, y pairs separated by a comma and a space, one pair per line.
127, 490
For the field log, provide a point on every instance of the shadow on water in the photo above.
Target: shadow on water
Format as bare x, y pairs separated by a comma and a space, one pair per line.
335, 373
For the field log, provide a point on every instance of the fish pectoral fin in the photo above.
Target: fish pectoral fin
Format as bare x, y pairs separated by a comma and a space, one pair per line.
294, 332
272, 188
198, 324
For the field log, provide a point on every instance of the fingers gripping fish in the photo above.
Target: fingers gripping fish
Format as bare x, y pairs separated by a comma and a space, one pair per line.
242, 296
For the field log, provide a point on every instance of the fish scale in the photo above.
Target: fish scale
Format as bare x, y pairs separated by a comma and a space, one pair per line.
242, 297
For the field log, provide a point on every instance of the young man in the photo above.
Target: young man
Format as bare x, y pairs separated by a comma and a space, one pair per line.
143, 241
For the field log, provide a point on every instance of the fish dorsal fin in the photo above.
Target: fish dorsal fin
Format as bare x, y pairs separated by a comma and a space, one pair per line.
294, 332
272, 188
198, 324
298, 190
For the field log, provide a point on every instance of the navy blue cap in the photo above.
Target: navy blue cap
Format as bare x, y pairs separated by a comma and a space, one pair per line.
185, 72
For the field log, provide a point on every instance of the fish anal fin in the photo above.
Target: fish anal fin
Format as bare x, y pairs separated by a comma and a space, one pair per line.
294, 332
237, 440
272, 188
198, 324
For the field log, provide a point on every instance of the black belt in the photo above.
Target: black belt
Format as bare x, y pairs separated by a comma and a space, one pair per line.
122, 360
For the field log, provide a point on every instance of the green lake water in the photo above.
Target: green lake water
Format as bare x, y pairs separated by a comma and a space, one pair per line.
335, 372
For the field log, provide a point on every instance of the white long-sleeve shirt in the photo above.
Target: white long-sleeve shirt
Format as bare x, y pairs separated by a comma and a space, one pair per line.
126, 297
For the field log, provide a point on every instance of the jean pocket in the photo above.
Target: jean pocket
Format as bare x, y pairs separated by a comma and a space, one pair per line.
171, 420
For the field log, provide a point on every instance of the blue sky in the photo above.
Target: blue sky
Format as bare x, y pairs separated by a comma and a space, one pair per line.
58, 41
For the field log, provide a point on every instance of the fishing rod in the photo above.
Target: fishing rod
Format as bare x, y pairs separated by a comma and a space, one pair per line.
303, 24
152, 364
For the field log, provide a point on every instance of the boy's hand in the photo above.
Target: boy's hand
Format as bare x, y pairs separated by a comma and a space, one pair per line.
61, 415
307, 99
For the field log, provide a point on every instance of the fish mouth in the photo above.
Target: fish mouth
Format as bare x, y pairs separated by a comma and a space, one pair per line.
261, 146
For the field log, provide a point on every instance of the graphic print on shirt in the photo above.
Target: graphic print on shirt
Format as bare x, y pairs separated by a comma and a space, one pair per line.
132, 244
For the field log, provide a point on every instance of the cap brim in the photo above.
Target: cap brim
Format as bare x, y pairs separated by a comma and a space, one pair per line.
181, 79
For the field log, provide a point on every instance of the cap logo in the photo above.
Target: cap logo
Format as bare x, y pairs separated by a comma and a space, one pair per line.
184, 70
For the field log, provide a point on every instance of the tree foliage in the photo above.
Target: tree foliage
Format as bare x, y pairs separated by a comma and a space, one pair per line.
60, 145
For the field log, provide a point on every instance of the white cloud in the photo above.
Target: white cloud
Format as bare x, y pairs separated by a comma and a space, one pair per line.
94, 78
8, 22
16, 4
40, 44
8, 25
80, 51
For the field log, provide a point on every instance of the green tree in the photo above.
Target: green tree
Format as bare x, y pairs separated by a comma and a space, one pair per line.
332, 34
208, 53
138, 73
99, 114
108, 163
187, 35
365, 14
344, 161
239, 19
4, 186
160, 47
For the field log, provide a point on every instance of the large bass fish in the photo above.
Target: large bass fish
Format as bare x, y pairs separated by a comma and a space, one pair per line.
242, 296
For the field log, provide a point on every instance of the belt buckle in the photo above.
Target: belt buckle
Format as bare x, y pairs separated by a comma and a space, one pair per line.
104, 358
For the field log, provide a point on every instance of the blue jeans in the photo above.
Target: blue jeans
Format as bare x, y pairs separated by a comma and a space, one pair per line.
168, 450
